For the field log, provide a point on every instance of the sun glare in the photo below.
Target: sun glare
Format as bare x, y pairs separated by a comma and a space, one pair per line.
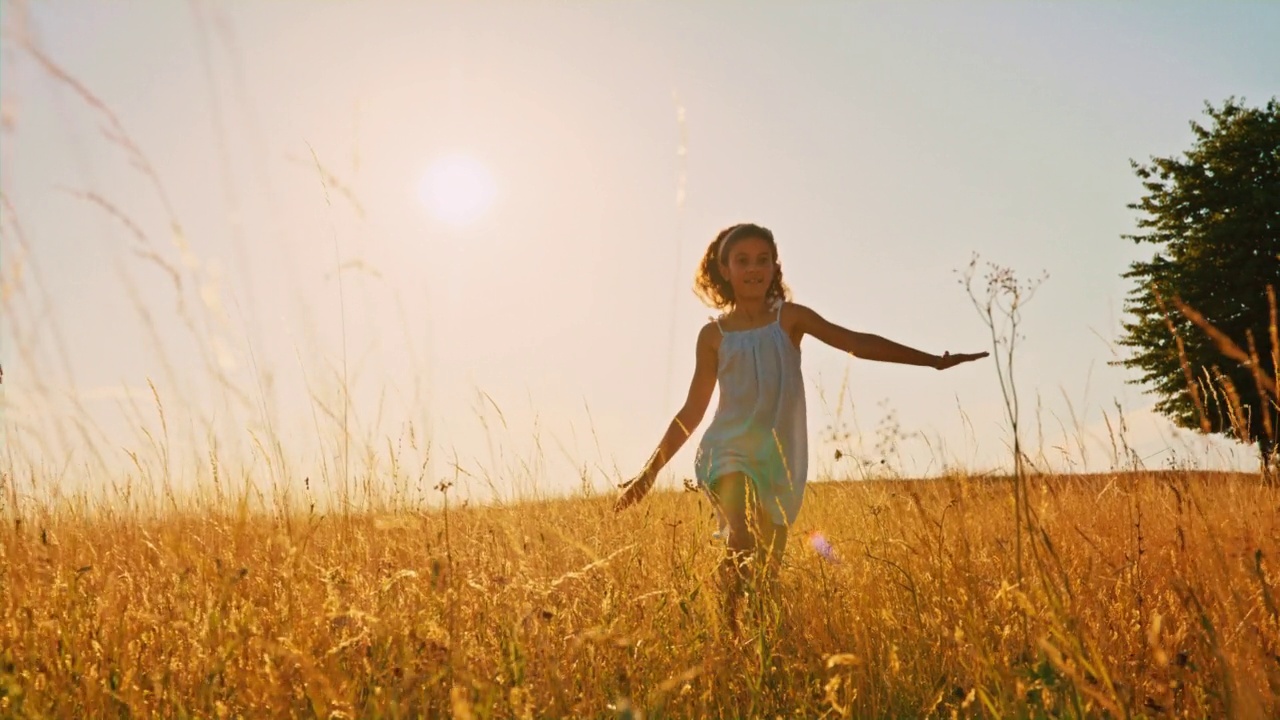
457, 190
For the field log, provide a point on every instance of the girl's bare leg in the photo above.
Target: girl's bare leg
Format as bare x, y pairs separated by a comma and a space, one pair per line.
731, 493
772, 544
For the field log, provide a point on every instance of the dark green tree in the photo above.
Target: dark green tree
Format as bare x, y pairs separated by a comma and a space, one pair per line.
1214, 216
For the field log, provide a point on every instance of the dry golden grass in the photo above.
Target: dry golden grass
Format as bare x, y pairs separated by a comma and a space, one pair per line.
1156, 597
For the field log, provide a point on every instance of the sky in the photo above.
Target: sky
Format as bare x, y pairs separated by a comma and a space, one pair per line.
483, 220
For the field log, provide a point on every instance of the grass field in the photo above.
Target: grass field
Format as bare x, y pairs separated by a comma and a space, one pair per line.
1144, 595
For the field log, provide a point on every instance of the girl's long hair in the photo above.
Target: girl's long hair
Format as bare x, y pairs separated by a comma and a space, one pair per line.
713, 288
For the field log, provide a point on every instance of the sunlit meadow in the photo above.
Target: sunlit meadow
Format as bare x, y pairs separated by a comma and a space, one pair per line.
1147, 594
216, 563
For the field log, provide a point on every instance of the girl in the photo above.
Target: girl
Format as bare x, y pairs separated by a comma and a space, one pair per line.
752, 459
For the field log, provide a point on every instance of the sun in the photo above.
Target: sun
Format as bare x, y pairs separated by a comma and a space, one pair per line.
457, 189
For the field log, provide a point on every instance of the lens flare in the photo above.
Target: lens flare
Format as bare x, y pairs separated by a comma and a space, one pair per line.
822, 546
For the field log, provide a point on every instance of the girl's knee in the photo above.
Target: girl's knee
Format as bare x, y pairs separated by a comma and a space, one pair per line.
773, 539
741, 537
730, 491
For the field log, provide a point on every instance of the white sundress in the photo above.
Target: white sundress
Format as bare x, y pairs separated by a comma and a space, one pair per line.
759, 428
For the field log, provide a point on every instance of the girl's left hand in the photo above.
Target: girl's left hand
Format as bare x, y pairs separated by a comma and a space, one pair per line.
948, 360
633, 490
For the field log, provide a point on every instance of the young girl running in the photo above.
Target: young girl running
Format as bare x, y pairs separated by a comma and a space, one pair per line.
753, 458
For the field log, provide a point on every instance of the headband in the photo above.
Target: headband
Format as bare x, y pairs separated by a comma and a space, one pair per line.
738, 231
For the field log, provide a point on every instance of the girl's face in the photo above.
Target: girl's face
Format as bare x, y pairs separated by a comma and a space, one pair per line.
749, 266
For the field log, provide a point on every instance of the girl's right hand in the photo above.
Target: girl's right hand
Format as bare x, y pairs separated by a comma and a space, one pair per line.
633, 490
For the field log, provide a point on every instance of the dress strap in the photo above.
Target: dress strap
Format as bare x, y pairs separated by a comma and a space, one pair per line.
780, 304
720, 326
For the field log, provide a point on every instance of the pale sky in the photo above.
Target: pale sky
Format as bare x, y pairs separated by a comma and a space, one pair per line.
883, 144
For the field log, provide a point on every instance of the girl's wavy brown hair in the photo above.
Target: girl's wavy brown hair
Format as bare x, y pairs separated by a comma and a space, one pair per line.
712, 287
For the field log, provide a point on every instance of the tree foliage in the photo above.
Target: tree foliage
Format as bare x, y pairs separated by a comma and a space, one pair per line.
1214, 216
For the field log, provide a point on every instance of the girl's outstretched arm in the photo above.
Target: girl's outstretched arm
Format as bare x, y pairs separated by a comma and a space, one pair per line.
685, 421
873, 347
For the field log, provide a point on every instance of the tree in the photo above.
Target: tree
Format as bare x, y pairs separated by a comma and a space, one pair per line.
1214, 215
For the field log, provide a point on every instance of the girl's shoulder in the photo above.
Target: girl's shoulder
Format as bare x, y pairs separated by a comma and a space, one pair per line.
791, 320
711, 333
786, 311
